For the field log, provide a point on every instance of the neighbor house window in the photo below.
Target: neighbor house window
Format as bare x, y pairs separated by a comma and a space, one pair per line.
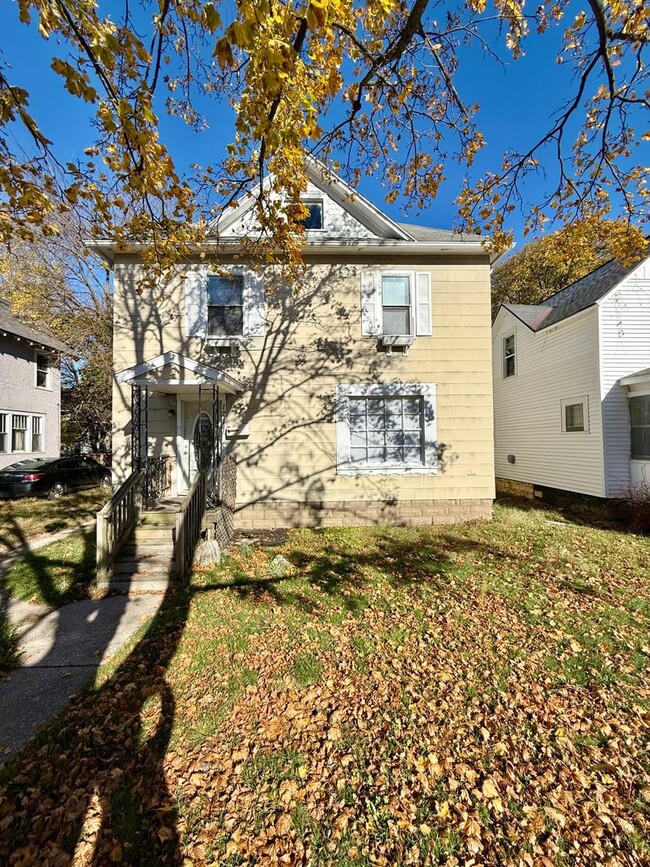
226, 305
3, 433
509, 355
314, 219
397, 304
37, 433
575, 417
42, 370
19, 433
640, 424
386, 428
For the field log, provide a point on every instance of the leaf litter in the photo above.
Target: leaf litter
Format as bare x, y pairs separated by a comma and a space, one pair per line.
475, 695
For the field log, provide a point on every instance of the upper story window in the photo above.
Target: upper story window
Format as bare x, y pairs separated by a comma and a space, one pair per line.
509, 356
225, 305
224, 308
640, 424
395, 305
314, 219
43, 370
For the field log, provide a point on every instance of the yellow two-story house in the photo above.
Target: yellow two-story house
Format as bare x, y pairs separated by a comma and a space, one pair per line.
362, 395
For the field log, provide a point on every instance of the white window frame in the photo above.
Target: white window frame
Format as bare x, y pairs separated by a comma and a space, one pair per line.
315, 200
26, 431
4, 434
372, 308
8, 416
573, 401
412, 300
232, 274
48, 377
507, 375
424, 390
37, 433
196, 304
632, 394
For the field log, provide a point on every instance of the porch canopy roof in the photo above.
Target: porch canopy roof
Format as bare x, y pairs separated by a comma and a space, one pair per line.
640, 378
172, 373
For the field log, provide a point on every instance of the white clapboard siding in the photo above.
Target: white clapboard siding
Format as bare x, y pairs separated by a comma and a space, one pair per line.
624, 316
555, 364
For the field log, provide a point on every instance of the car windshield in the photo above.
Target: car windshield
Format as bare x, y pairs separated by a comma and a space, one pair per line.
21, 466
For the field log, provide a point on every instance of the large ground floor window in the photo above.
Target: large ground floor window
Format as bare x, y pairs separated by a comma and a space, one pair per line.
386, 428
21, 433
640, 425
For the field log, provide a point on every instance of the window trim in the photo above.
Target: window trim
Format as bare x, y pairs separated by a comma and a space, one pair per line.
424, 390
573, 401
315, 200
412, 302
507, 357
642, 393
48, 376
8, 415
215, 338
4, 433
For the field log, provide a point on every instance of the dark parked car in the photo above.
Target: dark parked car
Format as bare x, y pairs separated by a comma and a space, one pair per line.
47, 477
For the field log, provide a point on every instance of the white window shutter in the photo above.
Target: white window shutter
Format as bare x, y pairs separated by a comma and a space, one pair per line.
253, 304
423, 303
370, 305
196, 302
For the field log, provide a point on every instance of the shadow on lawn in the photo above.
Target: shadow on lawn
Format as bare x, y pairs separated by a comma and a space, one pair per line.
95, 779
32, 576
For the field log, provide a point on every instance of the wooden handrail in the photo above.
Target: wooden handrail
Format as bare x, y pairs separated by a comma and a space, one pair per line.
188, 525
116, 520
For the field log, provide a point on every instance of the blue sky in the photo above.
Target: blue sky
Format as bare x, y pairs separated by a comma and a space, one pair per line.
516, 102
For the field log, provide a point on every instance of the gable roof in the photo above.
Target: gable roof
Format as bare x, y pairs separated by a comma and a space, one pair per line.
10, 325
332, 185
577, 296
172, 363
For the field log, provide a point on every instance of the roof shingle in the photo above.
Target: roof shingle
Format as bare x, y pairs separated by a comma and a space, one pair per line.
10, 325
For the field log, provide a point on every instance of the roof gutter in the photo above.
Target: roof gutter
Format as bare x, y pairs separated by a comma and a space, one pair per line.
382, 247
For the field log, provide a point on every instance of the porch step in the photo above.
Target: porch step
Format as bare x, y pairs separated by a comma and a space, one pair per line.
147, 547
143, 565
138, 584
149, 535
158, 519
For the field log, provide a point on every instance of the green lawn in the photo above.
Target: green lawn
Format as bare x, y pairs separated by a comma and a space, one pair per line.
55, 574
25, 519
388, 696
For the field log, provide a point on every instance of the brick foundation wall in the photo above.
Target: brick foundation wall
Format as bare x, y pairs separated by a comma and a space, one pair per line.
511, 488
264, 516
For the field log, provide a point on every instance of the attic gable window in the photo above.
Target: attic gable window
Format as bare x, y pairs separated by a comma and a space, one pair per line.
226, 305
314, 219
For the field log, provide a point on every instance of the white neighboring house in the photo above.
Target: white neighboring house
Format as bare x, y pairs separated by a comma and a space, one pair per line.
572, 385
30, 391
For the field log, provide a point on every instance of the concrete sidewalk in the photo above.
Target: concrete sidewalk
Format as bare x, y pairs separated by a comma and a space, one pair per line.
61, 649
61, 652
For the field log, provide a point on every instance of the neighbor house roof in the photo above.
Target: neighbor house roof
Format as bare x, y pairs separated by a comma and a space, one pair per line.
583, 293
10, 325
427, 233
